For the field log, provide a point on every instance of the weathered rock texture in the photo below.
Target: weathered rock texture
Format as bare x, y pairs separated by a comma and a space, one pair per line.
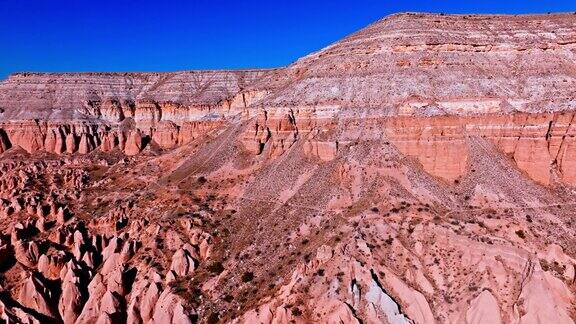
81, 112
420, 170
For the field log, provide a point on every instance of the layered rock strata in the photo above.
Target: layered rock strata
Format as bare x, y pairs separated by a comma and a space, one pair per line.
417, 171
77, 113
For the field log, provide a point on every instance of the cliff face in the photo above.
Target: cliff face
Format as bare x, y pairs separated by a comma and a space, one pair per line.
403, 65
431, 64
80, 112
111, 96
479, 70
539, 144
420, 170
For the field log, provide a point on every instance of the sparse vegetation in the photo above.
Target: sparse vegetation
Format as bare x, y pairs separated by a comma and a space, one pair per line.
296, 311
216, 267
521, 234
247, 277
213, 318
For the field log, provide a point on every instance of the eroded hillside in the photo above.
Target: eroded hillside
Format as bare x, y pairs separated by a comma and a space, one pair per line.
419, 170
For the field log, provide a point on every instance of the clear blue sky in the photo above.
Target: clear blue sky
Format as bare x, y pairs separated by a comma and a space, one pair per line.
167, 35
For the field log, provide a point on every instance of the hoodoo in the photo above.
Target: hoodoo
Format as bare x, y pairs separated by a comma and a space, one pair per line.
420, 170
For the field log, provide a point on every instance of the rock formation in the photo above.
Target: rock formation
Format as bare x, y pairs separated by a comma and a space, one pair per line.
421, 170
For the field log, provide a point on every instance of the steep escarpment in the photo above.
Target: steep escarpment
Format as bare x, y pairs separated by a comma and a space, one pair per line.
82, 137
420, 170
461, 64
397, 73
61, 96
539, 144
84, 111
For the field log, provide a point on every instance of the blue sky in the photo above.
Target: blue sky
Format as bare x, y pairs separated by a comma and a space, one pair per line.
119, 35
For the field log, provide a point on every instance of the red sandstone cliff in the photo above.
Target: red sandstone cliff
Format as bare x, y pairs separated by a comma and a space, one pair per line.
420, 170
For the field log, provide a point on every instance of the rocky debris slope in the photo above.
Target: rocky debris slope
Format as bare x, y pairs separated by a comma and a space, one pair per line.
418, 171
209, 232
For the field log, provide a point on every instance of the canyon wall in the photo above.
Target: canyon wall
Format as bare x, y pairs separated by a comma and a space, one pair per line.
80, 112
417, 171
541, 145
395, 73
431, 82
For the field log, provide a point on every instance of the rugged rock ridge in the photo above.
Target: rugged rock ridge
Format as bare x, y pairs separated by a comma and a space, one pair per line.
83, 137
418, 171
81, 112
473, 63
62, 96
402, 65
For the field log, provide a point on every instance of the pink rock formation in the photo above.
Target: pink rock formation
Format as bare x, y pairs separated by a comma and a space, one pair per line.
183, 263
71, 146
134, 143
71, 299
35, 295
421, 170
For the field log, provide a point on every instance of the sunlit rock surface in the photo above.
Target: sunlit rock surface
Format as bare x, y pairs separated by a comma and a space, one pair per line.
420, 170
